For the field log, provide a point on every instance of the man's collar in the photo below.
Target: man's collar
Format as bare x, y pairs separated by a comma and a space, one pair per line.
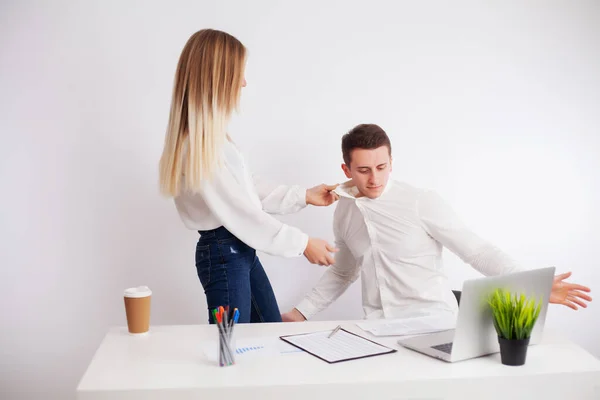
349, 190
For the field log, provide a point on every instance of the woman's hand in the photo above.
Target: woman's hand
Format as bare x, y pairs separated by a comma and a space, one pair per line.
321, 195
318, 251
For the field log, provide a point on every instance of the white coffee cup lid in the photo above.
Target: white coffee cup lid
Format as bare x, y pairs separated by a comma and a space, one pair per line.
140, 291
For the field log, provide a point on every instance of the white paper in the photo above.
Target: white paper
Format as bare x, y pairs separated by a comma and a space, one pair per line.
341, 346
252, 347
409, 326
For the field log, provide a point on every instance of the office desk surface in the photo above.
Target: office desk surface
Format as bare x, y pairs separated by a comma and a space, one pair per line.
169, 363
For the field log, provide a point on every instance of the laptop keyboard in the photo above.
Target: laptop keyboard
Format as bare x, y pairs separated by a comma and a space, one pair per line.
446, 347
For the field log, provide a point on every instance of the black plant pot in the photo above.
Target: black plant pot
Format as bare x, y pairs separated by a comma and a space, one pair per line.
513, 352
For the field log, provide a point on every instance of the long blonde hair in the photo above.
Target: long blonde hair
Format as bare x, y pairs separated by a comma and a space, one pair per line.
207, 88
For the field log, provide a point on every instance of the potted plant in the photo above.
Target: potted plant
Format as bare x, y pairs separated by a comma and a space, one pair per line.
514, 317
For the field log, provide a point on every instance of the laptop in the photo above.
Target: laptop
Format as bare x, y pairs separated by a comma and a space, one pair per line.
474, 334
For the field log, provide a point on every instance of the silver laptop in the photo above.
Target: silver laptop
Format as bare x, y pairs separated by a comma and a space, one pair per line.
474, 334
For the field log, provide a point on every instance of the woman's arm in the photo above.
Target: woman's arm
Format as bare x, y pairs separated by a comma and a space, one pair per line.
229, 202
282, 199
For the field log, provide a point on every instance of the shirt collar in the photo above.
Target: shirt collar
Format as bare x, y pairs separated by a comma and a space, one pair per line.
349, 190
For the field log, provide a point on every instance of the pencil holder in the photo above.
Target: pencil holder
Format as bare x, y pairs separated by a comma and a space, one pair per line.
227, 348
225, 320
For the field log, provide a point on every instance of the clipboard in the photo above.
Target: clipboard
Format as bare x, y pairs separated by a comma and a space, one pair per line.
343, 346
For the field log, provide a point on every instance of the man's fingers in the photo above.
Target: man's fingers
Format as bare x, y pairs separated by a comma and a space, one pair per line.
579, 294
570, 305
561, 277
574, 286
331, 187
575, 300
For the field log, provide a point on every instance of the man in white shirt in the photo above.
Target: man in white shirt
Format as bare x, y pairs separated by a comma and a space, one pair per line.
393, 234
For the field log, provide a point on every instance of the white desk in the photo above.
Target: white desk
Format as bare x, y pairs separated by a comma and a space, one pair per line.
170, 364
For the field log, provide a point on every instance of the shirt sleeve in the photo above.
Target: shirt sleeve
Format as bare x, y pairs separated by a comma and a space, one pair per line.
334, 282
229, 202
441, 223
279, 199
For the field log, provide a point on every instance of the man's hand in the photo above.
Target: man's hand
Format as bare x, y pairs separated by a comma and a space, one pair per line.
321, 195
293, 316
568, 294
318, 251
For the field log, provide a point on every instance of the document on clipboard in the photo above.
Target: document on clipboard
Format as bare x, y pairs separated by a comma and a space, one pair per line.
341, 346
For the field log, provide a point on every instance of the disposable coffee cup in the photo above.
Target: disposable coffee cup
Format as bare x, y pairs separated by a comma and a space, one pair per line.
137, 309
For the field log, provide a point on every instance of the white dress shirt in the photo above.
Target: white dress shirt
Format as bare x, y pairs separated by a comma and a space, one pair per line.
242, 203
395, 242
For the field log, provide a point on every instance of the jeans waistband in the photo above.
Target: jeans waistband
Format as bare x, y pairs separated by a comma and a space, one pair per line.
219, 233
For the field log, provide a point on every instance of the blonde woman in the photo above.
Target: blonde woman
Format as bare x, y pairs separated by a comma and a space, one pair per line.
215, 193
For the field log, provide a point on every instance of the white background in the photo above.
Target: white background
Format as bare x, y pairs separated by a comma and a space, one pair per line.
495, 106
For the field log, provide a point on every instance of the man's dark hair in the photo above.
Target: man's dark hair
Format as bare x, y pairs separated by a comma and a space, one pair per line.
364, 136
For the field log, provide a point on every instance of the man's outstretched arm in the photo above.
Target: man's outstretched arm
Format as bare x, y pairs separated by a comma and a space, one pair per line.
440, 221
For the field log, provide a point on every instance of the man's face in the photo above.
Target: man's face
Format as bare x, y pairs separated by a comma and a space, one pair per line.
369, 170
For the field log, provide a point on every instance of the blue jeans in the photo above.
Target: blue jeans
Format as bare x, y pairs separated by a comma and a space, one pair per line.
232, 275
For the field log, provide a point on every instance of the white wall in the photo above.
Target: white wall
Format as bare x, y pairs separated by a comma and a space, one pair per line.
494, 106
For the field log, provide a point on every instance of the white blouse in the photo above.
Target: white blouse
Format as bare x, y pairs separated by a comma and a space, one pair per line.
243, 203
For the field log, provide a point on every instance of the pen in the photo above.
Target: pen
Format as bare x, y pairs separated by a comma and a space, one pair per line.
334, 331
236, 316
225, 318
